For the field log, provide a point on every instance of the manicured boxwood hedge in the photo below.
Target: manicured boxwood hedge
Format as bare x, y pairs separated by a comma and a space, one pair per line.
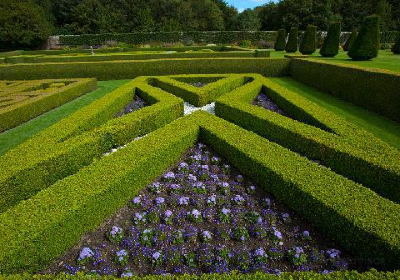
373, 89
131, 69
318, 134
146, 56
37, 231
216, 37
74, 142
345, 275
18, 113
218, 85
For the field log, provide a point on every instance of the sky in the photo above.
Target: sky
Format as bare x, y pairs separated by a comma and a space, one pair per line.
244, 4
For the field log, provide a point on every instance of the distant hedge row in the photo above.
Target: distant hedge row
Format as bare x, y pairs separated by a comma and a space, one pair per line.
317, 134
27, 109
216, 37
372, 89
116, 70
42, 228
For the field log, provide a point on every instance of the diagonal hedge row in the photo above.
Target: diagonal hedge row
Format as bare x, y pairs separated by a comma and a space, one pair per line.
74, 142
42, 228
318, 134
179, 86
40, 102
116, 70
373, 89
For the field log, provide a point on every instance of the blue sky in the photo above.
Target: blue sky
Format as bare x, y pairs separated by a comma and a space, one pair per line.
243, 4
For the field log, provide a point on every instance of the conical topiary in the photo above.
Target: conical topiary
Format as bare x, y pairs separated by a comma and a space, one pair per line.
396, 46
292, 43
280, 40
309, 42
330, 47
367, 43
350, 41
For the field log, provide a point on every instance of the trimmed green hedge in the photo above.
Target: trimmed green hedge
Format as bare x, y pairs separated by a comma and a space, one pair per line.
131, 69
216, 37
350, 41
330, 47
309, 42
42, 228
344, 275
25, 110
280, 42
367, 43
373, 89
146, 56
396, 46
317, 134
292, 44
64, 148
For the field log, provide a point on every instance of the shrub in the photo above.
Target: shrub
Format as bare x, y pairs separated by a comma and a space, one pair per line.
351, 83
367, 43
280, 43
117, 70
396, 46
245, 44
308, 44
292, 43
350, 41
330, 48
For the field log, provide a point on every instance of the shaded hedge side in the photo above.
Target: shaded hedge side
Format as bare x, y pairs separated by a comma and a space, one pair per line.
118, 70
373, 89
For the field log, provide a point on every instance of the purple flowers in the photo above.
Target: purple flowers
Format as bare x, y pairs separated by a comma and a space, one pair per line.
333, 253
85, 256
297, 256
121, 257
206, 236
156, 258
115, 234
183, 200
275, 236
160, 201
169, 176
238, 199
224, 215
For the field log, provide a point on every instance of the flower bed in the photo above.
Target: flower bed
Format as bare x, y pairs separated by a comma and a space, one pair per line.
136, 104
202, 217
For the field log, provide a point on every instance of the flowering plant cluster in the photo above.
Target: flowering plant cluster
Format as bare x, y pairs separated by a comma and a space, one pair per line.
204, 217
262, 100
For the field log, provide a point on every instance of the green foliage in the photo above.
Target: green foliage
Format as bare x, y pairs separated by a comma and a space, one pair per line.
280, 42
248, 20
69, 145
308, 44
117, 70
367, 43
245, 44
330, 48
17, 113
396, 46
22, 25
350, 83
316, 134
292, 43
350, 41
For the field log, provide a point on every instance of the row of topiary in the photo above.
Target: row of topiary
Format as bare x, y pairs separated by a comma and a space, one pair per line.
360, 46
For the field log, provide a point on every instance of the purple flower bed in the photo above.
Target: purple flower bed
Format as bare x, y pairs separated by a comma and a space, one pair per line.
136, 104
262, 100
198, 84
202, 216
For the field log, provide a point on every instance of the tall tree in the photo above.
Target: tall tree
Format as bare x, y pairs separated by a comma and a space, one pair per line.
248, 20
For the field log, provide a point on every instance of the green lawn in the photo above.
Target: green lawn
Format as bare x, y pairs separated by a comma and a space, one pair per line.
13, 137
385, 60
385, 129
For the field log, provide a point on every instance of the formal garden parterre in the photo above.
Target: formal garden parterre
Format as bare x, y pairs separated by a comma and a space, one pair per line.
135, 184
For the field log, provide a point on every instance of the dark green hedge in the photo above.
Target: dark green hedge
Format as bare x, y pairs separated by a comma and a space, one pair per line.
309, 42
367, 43
39, 230
280, 42
130, 69
317, 134
104, 57
350, 41
292, 44
345, 275
372, 89
216, 37
69, 145
396, 46
16, 114
330, 47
